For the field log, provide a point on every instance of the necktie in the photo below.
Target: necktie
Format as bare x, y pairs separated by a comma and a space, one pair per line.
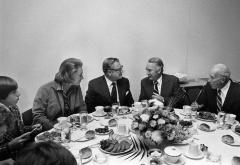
219, 101
155, 87
114, 93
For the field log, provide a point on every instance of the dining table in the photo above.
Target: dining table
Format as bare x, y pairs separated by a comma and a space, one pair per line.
210, 139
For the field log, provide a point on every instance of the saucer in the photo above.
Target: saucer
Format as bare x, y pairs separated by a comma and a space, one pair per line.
99, 114
194, 157
180, 161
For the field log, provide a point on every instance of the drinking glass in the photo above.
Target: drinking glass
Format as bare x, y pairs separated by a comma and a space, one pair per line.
100, 158
83, 121
221, 119
115, 109
75, 120
107, 109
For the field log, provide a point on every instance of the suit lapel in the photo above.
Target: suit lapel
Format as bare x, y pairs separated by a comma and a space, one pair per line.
164, 85
149, 88
104, 89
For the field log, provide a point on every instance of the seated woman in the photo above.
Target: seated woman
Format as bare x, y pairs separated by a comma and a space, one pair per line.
45, 153
9, 97
61, 97
9, 145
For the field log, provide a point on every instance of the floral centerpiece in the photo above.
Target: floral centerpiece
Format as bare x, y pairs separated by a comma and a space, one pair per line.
157, 125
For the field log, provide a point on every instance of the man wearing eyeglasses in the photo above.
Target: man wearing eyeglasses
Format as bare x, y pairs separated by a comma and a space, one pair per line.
109, 89
220, 93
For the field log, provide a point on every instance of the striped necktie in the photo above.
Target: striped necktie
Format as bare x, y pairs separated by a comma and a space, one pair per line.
219, 101
155, 87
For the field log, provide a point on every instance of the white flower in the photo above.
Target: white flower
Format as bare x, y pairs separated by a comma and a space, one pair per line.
161, 121
155, 116
145, 117
157, 136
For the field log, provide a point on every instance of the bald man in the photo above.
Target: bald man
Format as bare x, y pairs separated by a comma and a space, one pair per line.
221, 93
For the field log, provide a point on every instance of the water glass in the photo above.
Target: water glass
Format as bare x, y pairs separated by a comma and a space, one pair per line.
115, 109
221, 119
83, 121
122, 128
100, 158
187, 110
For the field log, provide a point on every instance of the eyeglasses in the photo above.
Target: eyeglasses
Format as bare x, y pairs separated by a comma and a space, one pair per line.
118, 70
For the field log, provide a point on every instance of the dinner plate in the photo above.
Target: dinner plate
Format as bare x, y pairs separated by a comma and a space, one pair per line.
188, 155
53, 138
119, 153
180, 161
209, 120
58, 127
97, 114
125, 113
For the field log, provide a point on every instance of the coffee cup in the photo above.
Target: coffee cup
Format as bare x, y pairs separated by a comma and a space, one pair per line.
62, 120
99, 109
194, 150
172, 154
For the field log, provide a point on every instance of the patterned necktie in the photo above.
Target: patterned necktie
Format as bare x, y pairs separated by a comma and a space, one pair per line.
114, 93
219, 101
155, 87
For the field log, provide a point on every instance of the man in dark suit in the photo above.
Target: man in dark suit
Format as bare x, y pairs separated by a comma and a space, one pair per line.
109, 88
221, 93
157, 85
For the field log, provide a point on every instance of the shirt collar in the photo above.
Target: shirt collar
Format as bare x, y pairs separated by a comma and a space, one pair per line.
159, 80
226, 87
109, 82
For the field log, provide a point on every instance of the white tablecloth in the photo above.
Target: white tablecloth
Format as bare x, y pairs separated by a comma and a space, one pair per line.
210, 139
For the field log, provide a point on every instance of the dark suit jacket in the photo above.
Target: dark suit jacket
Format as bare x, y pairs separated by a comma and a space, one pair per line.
231, 104
98, 93
170, 89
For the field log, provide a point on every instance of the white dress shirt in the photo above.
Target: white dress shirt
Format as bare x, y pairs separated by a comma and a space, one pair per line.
224, 91
159, 85
109, 84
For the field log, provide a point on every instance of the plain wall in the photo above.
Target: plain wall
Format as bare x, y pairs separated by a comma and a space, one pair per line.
189, 35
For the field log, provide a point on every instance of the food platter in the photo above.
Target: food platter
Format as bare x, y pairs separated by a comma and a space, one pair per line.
206, 116
77, 118
118, 153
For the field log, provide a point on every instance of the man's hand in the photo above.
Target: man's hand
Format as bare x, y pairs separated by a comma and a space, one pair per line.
18, 142
158, 97
38, 127
195, 106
